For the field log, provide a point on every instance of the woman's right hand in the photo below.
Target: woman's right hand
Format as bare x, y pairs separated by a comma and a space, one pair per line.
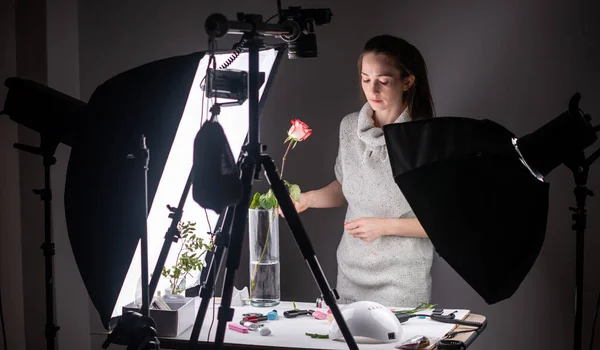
302, 205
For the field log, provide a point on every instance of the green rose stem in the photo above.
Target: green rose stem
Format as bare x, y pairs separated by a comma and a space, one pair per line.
284, 156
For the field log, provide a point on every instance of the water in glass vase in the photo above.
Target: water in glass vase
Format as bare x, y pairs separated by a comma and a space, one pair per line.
263, 229
265, 291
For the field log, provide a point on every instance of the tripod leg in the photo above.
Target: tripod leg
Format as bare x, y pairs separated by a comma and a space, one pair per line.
304, 244
236, 239
207, 287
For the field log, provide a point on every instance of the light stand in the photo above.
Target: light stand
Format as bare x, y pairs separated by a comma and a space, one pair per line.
52, 114
144, 161
138, 330
252, 161
580, 168
564, 140
47, 148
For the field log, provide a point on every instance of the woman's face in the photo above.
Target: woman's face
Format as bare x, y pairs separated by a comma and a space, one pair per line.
381, 83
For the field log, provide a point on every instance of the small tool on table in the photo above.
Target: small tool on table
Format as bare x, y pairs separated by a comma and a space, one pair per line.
295, 313
449, 318
414, 343
238, 328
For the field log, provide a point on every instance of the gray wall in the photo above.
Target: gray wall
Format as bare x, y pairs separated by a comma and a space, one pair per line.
11, 268
30, 63
513, 62
39, 42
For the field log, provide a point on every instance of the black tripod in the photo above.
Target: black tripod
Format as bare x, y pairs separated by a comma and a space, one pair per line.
47, 148
252, 161
580, 168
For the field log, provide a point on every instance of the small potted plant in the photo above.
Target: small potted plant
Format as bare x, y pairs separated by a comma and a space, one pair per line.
263, 229
189, 257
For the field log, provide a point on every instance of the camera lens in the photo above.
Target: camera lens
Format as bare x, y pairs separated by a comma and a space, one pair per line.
304, 47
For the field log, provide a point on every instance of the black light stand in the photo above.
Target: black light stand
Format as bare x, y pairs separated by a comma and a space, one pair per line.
138, 330
252, 161
144, 161
580, 168
47, 148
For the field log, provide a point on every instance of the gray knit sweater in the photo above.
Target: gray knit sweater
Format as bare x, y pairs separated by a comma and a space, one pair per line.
391, 270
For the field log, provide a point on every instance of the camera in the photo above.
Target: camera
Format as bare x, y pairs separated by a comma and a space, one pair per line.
304, 43
296, 27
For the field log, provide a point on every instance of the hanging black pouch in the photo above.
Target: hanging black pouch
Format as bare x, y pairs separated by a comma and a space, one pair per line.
215, 174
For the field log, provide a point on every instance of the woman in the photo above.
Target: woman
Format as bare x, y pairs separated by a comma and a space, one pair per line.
384, 254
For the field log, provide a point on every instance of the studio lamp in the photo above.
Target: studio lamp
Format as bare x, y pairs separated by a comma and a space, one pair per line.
477, 188
55, 116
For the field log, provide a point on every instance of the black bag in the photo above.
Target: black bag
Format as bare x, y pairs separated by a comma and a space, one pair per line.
215, 175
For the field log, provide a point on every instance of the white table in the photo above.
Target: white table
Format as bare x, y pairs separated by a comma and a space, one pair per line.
290, 333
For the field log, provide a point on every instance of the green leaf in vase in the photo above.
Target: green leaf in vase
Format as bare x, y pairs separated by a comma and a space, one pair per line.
268, 200
255, 201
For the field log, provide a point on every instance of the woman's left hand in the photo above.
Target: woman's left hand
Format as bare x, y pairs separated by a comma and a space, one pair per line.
366, 229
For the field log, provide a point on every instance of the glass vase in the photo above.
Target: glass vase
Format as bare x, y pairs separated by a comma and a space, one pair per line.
263, 230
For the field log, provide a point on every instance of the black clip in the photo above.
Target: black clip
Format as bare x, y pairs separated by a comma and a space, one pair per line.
449, 316
296, 313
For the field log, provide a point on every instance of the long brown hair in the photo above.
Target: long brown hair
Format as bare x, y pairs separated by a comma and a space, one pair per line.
408, 60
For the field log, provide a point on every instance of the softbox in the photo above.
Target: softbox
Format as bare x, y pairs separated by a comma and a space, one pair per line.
105, 232
481, 207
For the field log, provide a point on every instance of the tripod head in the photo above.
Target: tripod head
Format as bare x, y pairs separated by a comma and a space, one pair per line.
296, 27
